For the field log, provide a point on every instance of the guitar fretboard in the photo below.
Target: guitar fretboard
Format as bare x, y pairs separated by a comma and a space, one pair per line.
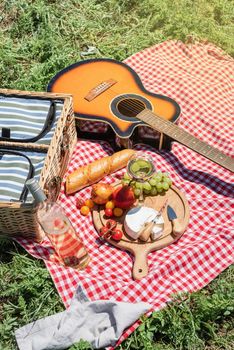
176, 133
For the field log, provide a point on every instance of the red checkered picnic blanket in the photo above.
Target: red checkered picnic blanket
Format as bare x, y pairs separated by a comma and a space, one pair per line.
200, 78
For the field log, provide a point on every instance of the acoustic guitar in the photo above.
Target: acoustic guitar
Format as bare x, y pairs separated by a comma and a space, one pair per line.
109, 91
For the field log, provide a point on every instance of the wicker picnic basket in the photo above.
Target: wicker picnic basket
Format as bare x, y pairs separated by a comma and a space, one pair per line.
18, 218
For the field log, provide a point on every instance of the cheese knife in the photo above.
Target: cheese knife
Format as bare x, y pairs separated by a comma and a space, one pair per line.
177, 227
146, 231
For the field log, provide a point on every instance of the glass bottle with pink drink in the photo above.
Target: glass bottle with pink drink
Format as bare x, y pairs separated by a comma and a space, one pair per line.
69, 250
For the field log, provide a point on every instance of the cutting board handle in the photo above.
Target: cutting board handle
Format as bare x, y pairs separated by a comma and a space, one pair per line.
140, 265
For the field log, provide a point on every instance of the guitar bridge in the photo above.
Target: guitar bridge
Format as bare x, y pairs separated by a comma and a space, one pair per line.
99, 89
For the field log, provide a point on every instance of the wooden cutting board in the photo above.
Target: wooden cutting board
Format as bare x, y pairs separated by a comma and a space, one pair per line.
139, 249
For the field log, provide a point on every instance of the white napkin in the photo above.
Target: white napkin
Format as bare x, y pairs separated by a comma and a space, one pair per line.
101, 323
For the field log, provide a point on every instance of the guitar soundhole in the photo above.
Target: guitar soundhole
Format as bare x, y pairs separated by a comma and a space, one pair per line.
130, 107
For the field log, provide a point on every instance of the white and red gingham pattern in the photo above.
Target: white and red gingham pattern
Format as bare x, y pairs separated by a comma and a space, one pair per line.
200, 78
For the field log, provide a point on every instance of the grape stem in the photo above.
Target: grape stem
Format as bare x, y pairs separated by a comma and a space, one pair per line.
131, 182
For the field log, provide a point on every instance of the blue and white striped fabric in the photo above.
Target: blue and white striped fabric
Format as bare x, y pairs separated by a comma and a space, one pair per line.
25, 117
14, 170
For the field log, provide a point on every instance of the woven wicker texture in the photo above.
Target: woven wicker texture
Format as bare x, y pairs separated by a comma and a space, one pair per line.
19, 219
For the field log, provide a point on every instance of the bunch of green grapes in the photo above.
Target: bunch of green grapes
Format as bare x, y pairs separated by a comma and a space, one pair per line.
158, 183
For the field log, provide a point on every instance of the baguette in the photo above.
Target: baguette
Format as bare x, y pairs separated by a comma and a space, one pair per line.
95, 171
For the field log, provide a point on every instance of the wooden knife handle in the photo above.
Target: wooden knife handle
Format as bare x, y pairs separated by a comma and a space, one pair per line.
146, 231
177, 227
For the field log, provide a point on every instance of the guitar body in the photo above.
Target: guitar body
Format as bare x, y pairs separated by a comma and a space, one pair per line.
109, 91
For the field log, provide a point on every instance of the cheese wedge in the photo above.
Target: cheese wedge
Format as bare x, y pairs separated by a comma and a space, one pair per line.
136, 218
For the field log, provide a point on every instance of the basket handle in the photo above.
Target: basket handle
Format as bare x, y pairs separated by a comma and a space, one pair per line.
64, 150
52, 188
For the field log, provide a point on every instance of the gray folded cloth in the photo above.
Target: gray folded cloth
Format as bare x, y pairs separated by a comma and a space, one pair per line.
101, 323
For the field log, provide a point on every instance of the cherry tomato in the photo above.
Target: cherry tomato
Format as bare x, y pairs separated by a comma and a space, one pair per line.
89, 203
108, 212
110, 205
79, 203
103, 231
118, 212
116, 234
84, 210
111, 224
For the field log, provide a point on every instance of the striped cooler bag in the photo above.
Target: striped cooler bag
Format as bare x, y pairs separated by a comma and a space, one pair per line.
37, 136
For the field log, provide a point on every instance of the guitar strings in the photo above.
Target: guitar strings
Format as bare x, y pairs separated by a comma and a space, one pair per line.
134, 107
131, 104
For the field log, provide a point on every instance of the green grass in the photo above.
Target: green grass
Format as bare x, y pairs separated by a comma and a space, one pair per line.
37, 39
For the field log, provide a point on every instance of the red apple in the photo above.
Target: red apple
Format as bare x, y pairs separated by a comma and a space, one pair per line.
123, 197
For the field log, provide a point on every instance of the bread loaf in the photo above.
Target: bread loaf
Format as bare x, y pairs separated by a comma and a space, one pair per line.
95, 171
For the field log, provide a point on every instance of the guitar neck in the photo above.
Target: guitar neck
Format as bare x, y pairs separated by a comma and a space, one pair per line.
176, 133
